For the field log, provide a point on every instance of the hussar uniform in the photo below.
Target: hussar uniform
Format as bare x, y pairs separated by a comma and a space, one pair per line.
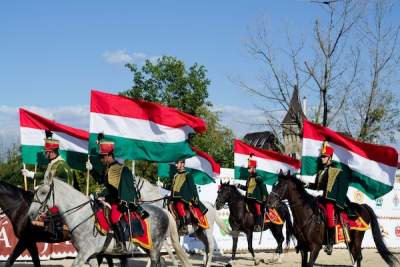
57, 167
119, 190
334, 184
256, 193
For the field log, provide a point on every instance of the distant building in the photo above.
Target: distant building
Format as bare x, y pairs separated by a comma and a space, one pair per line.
264, 140
292, 126
291, 131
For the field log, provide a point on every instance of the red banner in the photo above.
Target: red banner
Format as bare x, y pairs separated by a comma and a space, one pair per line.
46, 251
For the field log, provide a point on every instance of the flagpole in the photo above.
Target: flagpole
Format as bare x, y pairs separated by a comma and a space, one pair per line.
133, 168
25, 180
87, 178
34, 179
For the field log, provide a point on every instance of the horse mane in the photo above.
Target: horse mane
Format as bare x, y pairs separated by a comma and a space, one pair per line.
310, 199
7, 188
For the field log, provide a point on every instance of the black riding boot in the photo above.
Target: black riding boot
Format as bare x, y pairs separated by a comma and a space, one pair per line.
258, 223
183, 229
330, 240
119, 247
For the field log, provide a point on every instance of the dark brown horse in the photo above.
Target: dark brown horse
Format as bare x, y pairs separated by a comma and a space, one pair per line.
242, 220
14, 203
310, 228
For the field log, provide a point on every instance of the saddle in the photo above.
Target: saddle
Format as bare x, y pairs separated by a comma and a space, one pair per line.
348, 218
272, 216
194, 216
53, 227
135, 228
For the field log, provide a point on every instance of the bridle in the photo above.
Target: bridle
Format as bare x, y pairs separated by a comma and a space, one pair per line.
139, 185
43, 206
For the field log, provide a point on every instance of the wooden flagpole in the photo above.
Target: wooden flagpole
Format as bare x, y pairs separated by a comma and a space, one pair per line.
25, 180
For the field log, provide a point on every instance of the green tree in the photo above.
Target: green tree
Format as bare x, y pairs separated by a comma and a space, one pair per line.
169, 82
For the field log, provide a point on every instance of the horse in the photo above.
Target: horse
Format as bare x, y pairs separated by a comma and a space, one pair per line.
77, 213
242, 220
151, 193
14, 203
310, 227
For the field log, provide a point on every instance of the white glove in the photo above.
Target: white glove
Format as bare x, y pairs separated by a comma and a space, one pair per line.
89, 166
27, 173
159, 183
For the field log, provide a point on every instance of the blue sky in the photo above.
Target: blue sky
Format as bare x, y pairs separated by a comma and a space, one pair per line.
53, 52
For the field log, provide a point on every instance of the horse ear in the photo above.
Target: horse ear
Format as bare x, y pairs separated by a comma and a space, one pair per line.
220, 181
288, 172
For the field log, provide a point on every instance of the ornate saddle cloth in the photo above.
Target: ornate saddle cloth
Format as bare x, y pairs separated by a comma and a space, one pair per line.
138, 232
273, 217
352, 223
199, 218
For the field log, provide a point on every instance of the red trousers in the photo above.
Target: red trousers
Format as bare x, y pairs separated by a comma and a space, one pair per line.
115, 214
180, 208
257, 207
330, 214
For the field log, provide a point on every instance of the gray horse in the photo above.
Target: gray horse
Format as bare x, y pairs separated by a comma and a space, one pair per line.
150, 193
78, 215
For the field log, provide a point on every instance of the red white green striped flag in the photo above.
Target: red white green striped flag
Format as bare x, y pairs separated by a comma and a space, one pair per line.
269, 163
140, 129
370, 168
202, 166
73, 141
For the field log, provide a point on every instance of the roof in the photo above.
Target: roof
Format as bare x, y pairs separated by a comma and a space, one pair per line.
295, 111
264, 140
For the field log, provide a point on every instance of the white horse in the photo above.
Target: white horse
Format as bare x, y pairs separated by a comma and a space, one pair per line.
150, 193
77, 213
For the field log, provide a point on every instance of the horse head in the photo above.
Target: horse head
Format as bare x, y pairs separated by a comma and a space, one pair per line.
280, 190
225, 191
43, 197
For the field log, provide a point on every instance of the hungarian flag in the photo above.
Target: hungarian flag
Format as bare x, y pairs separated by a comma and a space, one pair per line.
202, 167
370, 168
73, 141
140, 129
269, 163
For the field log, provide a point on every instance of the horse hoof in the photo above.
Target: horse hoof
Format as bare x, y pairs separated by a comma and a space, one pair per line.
228, 265
256, 261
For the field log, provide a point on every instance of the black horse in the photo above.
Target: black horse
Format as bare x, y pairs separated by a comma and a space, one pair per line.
309, 224
242, 220
14, 203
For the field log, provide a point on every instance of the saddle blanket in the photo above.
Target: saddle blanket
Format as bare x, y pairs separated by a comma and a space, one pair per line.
141, 237
272, 216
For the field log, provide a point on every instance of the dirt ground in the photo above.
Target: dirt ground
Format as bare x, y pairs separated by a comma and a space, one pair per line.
339, 258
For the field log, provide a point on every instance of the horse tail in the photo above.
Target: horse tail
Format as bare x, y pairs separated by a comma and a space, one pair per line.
289, 225
385, 253
174, 236
222, 225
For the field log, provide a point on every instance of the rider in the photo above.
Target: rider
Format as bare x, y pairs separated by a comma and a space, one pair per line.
256, 191
184, 193
57, 167
334, 185
118, 189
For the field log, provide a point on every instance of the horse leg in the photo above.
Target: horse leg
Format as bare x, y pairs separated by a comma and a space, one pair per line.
355, 247
249, 236
203, 238
235, 238
19, 248
276, 231
123, 261
93, 262
304, 257
313, 257
32, 248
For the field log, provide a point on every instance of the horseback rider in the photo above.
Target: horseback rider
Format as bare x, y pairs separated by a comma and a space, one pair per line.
118, 190
333, 183
183, 194
256, 192
57, 166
